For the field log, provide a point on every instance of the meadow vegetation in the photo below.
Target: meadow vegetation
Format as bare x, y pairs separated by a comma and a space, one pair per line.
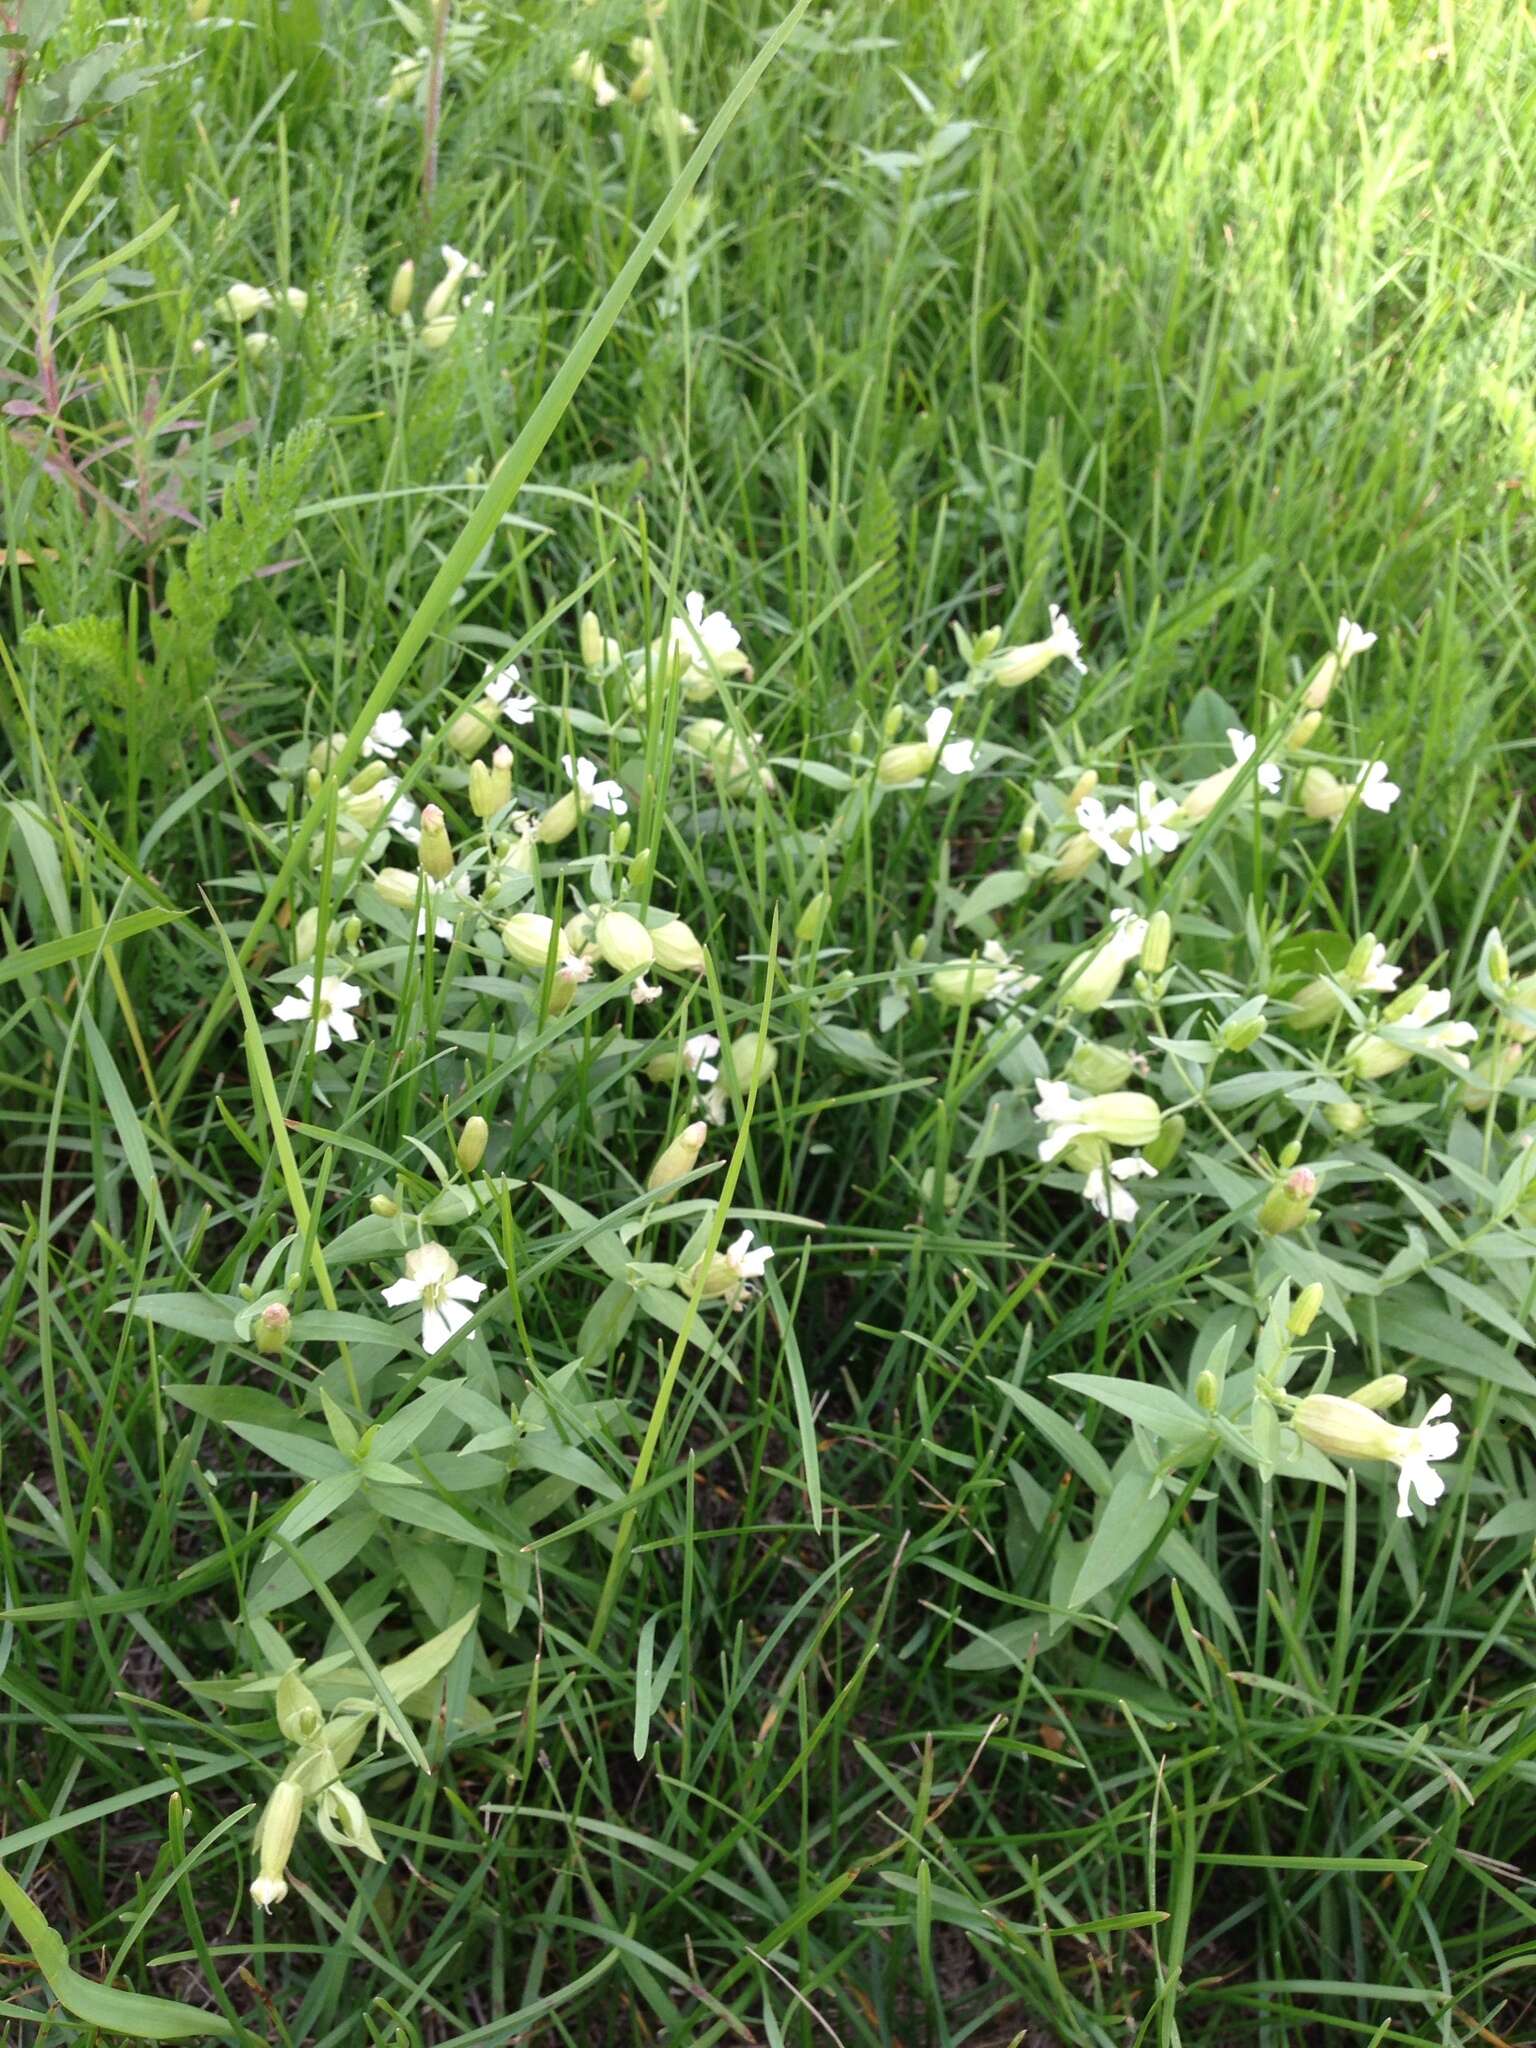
768, 1224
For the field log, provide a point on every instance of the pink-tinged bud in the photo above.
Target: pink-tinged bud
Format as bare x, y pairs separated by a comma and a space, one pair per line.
272, 1326
435, 851
1288, 1205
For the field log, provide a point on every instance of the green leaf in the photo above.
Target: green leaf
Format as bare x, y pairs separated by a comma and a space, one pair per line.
200, 1315
1156, 1408
1131, 1518
96, 2004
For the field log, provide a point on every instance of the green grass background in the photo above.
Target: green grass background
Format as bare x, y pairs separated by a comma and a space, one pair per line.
1209, 321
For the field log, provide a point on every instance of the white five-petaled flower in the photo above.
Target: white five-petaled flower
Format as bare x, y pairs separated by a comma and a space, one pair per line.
499, 686
1065, 640
1151, 832
1349, 1429
573, 968
331, 1009
1425, 1016
602, 796
747, 1260
1102, 826
704, 645
1059, 1108
1352, 640
1105, 1193
1377, 791
432, 1277
1379, 976
386, 736
1430, 1441
699, 1057
958, 756
643, 991
1243, 745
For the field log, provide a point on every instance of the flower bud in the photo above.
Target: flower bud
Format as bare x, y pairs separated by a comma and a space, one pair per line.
749, 1051
275, 1833
435, 851
1081, 790
810, 921
352, 932
324, 752
1288, 1205
384, 1205
676, 949
970, 982
1124, 1117
1076, 857
624, 942
1202, 799
305, 933
530, 938
1207, 1392
680, 1157
910, 762
1237, 1035
1372, 1058
985, 645
256, 343
1323, 796
242, 302
1349, 1119
401, 287
470, 730
1164, 1148
1154, 947
1089, 981
368, 777
1024, 839
1305, 1308
1315, 1005
298, 1711
271, 1331
949, 1193
398, 887
1100, 1069
490, 789
1345, 1428
1384, 1392
559, 821
592, 649
1522, 993
1303, 732
473, 1139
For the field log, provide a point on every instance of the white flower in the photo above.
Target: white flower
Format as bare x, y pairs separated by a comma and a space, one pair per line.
1377, 793
704, 647
1101, 827
699, 1057
331, 1009
1151, 833
1348, 1429
1430, 1441
1379, 977
499, 686
386, 736
1064, 642
1012, 982
746, 1261
402, 816
1102, 1191
574, 969
959, 756
602, 796
587, 70
643, 992
1243, 745
432, 1277
1059, 1107
1352, 640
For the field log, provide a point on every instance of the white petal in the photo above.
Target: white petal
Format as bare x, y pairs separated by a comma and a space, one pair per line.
294, 1009
399, 1292
959, 757
940, 719
465, 1288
